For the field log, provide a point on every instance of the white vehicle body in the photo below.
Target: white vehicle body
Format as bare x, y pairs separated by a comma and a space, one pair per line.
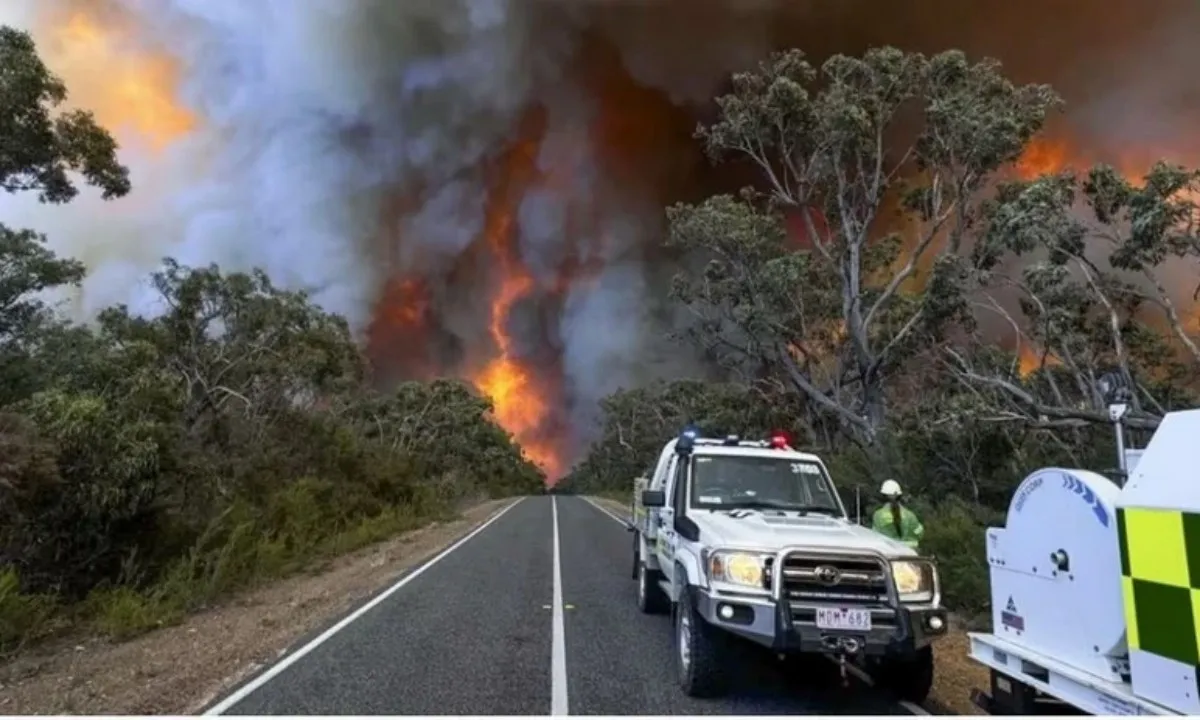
721, 557
1071, 618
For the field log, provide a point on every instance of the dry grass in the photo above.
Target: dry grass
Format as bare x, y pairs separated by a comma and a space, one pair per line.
620, 509
956, 675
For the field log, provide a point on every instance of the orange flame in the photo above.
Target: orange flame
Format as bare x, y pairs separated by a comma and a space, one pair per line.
401, 324
1054, 154
412, 304
1041, 156
1030, 359
1051, 154
130, 90
519, 406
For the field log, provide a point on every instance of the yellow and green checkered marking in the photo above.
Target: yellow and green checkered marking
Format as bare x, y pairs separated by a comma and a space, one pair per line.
1160, 581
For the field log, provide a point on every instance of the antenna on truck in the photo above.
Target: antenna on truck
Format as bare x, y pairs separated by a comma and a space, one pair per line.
1116, 394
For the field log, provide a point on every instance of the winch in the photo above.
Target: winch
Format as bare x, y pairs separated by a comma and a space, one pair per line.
1054, 570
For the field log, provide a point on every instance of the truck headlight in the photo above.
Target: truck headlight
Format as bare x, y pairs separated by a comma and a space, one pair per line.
736, 568
916, 581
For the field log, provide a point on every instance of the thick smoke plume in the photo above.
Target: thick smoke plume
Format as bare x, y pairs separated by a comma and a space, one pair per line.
477, 185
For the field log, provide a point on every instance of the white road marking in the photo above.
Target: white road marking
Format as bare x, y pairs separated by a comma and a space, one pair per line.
869, 681
914, 708
854, 670
604, 510
558, 647
270, 673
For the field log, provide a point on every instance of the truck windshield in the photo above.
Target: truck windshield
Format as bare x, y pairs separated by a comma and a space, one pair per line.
732, 481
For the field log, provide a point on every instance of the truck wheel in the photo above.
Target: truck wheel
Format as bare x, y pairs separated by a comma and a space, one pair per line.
697, 652
651, 598
908, 677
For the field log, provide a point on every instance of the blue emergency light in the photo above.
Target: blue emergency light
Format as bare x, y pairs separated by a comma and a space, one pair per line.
686, 440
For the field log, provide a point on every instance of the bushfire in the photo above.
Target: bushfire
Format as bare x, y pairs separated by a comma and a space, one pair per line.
1053, 153
636, 132
519, 405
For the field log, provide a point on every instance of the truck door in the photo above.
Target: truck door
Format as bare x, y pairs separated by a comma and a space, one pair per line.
664, 521
668, 537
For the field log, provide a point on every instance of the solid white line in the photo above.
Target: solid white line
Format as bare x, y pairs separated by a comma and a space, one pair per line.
914, 708
558, 646
857, 672
273, 671
604, 510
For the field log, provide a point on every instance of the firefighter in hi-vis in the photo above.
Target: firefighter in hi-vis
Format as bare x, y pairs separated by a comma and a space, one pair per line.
894, 520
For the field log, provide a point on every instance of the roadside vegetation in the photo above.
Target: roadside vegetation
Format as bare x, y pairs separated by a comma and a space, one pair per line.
899, 296
150, 465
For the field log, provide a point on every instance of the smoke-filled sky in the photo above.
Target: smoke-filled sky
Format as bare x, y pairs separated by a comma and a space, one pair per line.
478, 184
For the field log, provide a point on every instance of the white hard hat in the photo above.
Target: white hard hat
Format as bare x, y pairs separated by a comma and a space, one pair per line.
890, 488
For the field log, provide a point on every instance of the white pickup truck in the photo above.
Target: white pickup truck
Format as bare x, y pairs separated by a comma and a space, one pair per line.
750, 539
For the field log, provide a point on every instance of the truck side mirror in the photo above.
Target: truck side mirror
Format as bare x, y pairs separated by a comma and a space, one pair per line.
653, 498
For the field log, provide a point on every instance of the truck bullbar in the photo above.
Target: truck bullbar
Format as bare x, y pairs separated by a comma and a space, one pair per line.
860, 581
869, 573
792, 557
865, 581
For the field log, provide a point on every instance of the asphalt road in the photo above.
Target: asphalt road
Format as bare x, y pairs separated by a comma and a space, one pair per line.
507, 621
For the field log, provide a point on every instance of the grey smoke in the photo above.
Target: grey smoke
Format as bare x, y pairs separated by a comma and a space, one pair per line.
316, 115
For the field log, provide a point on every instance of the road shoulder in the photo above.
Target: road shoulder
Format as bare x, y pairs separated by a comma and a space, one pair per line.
181, 669
621, 510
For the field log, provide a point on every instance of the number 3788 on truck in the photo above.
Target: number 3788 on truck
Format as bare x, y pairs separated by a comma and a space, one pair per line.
750, 539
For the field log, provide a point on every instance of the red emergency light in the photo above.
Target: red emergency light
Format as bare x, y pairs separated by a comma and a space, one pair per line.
779, 440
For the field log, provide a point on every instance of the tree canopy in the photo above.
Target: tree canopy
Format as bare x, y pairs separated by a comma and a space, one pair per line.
882, 162
38, 147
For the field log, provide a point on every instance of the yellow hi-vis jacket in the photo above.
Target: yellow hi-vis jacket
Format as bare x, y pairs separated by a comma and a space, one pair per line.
910, 531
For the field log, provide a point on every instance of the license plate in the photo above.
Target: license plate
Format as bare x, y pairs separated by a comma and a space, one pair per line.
843, 619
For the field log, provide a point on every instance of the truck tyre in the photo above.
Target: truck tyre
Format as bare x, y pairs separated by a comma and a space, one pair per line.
909, 677
697, 652
651, 598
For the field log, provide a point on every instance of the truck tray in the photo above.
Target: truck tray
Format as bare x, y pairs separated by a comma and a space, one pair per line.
1090, 694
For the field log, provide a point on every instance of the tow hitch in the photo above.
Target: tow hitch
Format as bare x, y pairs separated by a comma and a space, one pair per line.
841, 648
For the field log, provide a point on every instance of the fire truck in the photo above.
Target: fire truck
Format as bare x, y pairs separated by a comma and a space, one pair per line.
750, 539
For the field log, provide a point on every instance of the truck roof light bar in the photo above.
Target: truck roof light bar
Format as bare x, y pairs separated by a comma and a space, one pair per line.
711, 442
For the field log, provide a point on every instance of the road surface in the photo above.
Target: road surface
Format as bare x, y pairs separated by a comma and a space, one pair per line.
533, 613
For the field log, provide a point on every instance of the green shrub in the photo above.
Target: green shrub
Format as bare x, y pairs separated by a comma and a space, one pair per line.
23, 616
123, 612
955, 533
